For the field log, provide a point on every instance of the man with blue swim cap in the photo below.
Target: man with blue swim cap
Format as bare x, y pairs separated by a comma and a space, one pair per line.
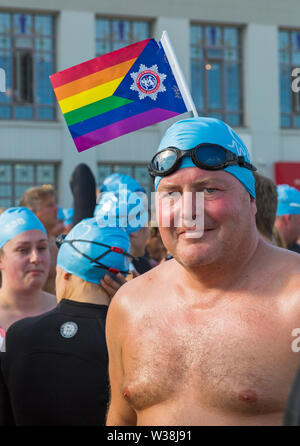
197, 332
63, 352
288, 215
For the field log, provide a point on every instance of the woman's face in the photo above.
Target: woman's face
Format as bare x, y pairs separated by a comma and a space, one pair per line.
25, 261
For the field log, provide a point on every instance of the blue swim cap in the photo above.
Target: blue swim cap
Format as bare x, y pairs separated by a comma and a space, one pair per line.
14, 221
288, 200
124, 209
112, 182
68, 215
72, 261
188, 133
60, 214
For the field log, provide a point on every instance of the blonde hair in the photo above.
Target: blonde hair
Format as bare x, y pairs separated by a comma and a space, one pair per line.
33, 197
82, 287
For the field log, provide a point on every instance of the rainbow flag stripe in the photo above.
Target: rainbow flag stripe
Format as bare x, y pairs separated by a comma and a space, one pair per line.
104, 98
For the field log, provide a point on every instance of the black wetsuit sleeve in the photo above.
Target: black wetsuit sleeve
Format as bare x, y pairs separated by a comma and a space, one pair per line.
83, 186
6, 414
292, 409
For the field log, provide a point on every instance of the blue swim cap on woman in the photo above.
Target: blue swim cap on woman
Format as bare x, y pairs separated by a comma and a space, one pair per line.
188, 133
74, 262
288, 200
112, 182
14, 221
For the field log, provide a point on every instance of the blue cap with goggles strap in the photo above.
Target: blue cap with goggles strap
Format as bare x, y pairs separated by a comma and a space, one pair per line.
208, 137
90, 252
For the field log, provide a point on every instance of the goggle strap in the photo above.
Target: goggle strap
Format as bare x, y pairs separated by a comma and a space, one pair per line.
99, 264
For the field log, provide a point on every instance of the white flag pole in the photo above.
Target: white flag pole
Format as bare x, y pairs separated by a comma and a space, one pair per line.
184, 89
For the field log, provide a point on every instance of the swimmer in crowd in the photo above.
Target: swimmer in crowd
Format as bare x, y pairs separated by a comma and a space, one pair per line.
55, 366
42, 201
205, 338
24, 266
288, 216
125, 200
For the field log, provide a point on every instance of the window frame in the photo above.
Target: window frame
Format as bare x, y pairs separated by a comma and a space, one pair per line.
129, 19
113, 164
13, 183
13, 49
206, 59
295, 96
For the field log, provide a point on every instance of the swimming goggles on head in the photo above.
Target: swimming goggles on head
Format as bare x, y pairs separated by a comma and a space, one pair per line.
205, 156
62, 239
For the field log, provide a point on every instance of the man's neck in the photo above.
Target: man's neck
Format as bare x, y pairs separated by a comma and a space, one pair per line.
225, 274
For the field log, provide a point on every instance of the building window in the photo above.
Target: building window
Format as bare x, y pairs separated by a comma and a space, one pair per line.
16, 178
112, 34
289, 58
216, 72
137, 171
27, 57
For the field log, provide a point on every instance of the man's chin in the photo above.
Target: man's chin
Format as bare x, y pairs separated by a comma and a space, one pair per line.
194, 255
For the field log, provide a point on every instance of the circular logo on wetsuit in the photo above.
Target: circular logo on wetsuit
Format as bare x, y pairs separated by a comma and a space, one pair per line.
148, 81
68, 329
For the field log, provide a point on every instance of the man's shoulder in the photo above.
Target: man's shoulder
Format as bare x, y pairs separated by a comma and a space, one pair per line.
282, 256
137, 291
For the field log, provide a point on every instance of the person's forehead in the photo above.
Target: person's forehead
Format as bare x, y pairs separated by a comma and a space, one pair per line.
192, 175
48, 199
31, 236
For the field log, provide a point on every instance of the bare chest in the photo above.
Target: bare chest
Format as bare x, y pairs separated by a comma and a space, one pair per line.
234, 360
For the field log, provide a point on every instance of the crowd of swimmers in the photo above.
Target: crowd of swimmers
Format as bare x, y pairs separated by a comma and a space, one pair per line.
98, 322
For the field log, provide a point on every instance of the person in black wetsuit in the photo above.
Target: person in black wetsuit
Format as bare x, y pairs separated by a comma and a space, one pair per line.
83, 187
292, 408
54, 366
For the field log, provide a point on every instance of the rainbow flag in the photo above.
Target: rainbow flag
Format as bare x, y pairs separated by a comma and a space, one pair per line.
119, 92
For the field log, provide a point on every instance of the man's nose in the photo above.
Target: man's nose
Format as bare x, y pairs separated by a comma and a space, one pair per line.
34, 256
192, 207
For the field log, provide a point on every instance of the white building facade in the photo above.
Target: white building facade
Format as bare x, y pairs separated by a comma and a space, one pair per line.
237, 57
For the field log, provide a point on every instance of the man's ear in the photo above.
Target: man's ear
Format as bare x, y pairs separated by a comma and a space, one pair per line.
1, 258
287, 219
253, 204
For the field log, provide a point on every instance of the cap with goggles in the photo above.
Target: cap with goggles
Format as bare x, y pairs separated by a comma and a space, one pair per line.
205, 156
206, 143
90, 252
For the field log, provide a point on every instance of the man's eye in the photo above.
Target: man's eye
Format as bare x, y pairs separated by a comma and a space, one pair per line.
210, 190
170, 195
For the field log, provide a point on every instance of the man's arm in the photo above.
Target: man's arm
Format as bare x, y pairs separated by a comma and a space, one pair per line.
119, 413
